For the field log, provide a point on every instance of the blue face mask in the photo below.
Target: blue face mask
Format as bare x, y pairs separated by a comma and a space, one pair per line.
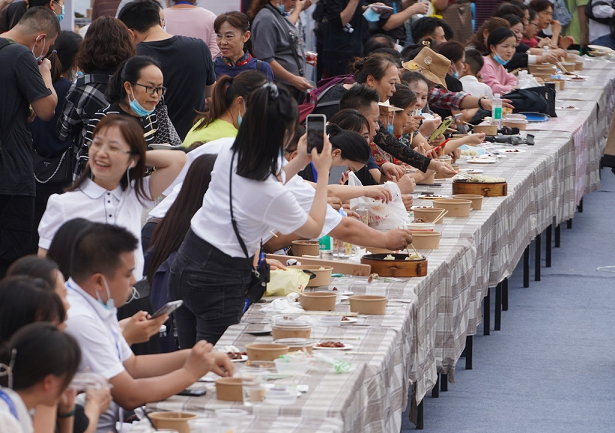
500, 60
371, 16
240, 118
455, 74
390, 128
61, 16
281, 9
138, 108
110, 304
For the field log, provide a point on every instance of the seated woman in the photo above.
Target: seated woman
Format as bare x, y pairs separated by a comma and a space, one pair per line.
501, 44
229, 102
136, 90
544, 10
232, 33
38, 363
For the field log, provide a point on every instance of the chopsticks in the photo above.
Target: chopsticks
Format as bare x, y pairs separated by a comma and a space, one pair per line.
435, 149
439, 217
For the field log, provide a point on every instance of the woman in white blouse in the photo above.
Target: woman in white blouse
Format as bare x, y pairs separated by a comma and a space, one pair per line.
211, 273
114, 189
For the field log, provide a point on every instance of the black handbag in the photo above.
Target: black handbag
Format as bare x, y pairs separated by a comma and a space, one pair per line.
52, 170
261, 272
533, 100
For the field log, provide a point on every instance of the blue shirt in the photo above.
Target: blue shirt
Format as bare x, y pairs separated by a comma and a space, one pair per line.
222, 68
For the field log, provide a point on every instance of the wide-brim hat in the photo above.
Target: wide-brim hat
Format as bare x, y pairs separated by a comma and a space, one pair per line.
432, 65
391, 108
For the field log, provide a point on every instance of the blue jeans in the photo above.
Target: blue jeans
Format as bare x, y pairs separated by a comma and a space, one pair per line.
606, 41
212, 285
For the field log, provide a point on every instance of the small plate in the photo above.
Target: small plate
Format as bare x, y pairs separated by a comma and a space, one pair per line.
346, 347
599, 48
482, 161
349, 320
432, 196
568, 108
244, 358
472, 170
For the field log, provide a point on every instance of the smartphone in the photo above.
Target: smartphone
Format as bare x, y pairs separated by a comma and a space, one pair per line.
440, 130
193, 392
315, 126
167, 308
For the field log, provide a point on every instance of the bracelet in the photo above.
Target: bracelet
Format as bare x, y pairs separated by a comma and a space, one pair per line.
67, 414
480, 104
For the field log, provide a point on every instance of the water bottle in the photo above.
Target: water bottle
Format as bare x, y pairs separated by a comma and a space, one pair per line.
496, 109
326, 250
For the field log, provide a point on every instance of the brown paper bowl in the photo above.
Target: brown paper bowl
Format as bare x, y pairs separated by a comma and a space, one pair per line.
426, 240
476, 199
281, 331
318, 301
430, 213
455, 207
173, 420
323, 274
368, 304
265, 351
229, 389
306, 248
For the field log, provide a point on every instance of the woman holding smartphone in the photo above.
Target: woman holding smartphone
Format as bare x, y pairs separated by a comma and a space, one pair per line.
211, 272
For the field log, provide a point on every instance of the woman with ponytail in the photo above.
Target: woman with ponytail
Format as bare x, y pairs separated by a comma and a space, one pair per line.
245, 200
229, 102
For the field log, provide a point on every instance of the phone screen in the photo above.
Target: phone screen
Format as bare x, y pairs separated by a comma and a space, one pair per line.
315, 126
167, 308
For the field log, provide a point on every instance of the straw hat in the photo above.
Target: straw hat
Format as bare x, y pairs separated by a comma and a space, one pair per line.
388, 105
432, 65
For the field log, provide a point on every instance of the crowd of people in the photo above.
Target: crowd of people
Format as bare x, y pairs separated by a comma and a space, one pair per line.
160, 156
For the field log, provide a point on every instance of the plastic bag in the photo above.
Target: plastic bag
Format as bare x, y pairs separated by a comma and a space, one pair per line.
283, 282
381, 216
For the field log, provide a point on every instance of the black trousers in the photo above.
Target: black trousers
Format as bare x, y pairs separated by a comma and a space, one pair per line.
212, 285
16, 229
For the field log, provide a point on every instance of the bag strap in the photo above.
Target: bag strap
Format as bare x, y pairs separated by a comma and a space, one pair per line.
230, 200
5, 397
55, 171
282, 19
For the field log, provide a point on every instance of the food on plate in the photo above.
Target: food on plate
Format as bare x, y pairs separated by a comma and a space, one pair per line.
389, 257
469, 152
345, 319
331, 344
420, 220
371, 277
236, 355
414, 256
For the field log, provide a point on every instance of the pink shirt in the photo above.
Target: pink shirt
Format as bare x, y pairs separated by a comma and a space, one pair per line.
194, 22
496, 77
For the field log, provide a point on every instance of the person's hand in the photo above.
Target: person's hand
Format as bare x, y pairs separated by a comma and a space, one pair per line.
301, 84
303, 4
322, 160
419, 8
446, 170
344, 177
429, 126
556, 26
375, 7
334, 202
200, 360
407, 200
566, 41
406, 184
477, 138
413, 123
550, 57
302, 154
392, 171
488, 103
44, 66
559, 52
275, 264
456, 154
397, 239
438, 140
66, 403
222, 364
99, 399
544, 42
139, 329
378, 192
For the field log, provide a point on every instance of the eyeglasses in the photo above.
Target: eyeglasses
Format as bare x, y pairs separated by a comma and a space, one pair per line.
97, 145
534, 24
151, 90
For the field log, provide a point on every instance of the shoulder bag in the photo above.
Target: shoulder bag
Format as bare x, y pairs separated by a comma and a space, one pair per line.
165, 133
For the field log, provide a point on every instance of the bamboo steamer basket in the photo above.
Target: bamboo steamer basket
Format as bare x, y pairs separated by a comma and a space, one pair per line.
493, 189
400, 267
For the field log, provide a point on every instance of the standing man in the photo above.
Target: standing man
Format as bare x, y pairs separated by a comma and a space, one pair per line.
393, 16
187, 65
343, 35
25, 81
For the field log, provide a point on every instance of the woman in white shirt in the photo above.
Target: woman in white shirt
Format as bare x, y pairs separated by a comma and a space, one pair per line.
113, 188
36, 366
211, 273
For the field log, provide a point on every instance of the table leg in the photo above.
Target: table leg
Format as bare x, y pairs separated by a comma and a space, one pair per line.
558, 233
569, 224
580, 207
526, 267
549, 244
505, 294
497, 325
468, 350
419, 416
487, 313
444, 382
435, 392
537, 258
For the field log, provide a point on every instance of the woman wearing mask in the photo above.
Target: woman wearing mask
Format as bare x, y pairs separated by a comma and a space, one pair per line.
11, 14
524, 54
106, 45
232, 31
275, 40
38, 363
212, 272
113, 188
44, 140
229, 102
136, 90
501, 43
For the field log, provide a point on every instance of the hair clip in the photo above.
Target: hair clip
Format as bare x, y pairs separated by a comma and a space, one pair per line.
7, 370
274, 93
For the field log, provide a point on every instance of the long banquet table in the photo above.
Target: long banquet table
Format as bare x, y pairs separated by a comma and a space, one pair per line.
424, 330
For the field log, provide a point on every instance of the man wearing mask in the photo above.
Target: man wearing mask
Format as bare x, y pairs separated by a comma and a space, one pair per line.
27, 90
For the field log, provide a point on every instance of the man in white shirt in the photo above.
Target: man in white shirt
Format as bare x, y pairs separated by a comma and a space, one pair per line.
469, 75
600, 31
101, 279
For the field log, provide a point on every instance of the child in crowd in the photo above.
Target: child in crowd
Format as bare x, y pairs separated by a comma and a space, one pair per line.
470, 75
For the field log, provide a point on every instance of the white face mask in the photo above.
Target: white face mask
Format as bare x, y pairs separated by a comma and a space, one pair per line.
110, 304
39, 58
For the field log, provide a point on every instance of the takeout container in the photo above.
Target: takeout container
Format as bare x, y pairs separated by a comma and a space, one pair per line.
486, 129
305, 248
476, 199
400, 267
368, 304
428, 227
228, 389
515, 123
486, 189
559, 84
318, 301
429, 213
426, 240
542, 69
287, 326
323, 274
173, 420
265, 351
296, 344
455, 207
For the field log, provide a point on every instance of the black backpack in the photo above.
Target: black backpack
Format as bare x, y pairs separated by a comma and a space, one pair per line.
589, 13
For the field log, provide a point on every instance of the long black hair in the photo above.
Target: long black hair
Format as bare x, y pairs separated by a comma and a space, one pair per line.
269, 123
352, 144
